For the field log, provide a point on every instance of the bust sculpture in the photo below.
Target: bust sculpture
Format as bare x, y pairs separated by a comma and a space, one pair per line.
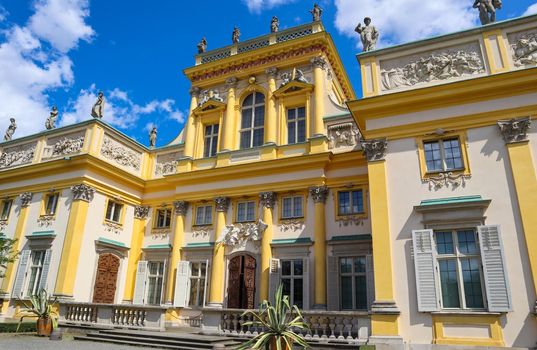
98, 107
50, 123
235, 36
153, 137
10, 130
368, 34
274, 25
316, 12
202, 45
487, 10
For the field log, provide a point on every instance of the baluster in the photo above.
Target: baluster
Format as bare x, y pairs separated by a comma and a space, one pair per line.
235, 323
324, 324
227, 323
307, 320
354, 323
315, 327
348, 328
331, 327
340, 325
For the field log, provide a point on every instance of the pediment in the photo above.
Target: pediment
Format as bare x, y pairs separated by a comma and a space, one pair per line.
210, 106
293, 87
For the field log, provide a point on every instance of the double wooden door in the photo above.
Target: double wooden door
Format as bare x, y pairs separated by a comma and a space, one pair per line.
241, 283
106, 280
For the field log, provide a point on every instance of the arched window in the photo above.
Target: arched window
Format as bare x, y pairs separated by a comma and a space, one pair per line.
253, 121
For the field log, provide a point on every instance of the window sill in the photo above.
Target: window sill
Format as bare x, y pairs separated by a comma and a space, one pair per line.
465, 313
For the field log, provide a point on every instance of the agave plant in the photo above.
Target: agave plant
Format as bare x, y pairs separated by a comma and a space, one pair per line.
279, 322
41, 306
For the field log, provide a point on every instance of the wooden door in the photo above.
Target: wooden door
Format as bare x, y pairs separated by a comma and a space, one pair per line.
106, 279
249, 282
241, 282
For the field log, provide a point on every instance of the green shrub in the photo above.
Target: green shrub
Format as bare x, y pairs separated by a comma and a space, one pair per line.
12, 327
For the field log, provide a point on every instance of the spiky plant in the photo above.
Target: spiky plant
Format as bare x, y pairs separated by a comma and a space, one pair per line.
41, 306
278, 322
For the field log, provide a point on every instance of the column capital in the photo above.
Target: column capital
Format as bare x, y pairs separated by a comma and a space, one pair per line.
231, 82
318, 62
514, 130
26, 198
181, 207
194, 91
221, 204
375, 149
319, 194
141, 212
267, 199
271, 72
83, 192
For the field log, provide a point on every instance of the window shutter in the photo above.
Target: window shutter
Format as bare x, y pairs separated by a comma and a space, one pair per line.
424, 263
139, 287
370, 280
274, 278
207, 279
332, 281
182, 279
496, 282
46, 268
21, 273
306, 284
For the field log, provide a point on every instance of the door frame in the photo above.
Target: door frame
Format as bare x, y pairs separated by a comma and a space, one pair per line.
98, 253
257, 258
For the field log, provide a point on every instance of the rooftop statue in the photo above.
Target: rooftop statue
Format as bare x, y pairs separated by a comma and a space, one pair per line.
274, 25
10, 130
202, 45
50, 123
368, 34
316, 12
235, 36
487, 10
153, 137
98, 107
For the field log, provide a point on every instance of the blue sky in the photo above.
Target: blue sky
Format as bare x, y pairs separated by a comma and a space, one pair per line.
64, 51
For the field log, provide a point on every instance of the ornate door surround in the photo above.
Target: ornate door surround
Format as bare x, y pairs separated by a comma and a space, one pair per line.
241, 282
104, 290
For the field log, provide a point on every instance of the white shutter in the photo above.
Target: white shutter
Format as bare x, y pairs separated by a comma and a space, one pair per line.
182, 279
425, 263
306, 284
332, 281
21, 273
274, 278
496, 282
139, 286
370, 280
46, 268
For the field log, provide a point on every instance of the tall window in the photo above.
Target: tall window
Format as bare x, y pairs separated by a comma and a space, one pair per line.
246, 211
6, 209
292, 207
296, 125
51, 203
198, 275
293, 281
36, 271
459, 265
443, 155
204, 215
353, 283
350, 202
164, 217
253, 121
155, 280
113, 211
211, 140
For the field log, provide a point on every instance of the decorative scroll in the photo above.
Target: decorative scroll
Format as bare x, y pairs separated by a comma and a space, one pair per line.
375, 149
45, 220
18, 155
26, 198
181, 207
113, 227
319, 194
141, 212
446, 179
120, 154
240, 234
343, 135
221, 204
83, 192
292, 224
524, 48
267, 199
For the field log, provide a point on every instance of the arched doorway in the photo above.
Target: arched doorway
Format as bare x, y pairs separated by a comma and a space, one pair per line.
241, 283
105, 282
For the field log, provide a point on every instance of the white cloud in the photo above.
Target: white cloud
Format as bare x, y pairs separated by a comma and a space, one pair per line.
532, 9
178, 116
256, 6
400, 21
3, 13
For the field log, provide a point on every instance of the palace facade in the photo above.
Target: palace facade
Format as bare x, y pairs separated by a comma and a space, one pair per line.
405, 216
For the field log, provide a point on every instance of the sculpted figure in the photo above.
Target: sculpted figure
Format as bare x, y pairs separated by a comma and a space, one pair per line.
50, 123
98, 107
10, 130
274, 25
235, 36
316, 12
202, 45
153, 137
487, 10
368, 34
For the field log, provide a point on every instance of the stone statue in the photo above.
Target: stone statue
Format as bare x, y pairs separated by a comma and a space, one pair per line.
368, 34
316, 12
10, 130
153, 137
235, 35
98, 107
274, 25
487, 10
50, 123
202, 45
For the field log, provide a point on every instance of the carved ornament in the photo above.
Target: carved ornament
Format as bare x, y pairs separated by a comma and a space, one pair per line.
375, 149
83, 192
514, 130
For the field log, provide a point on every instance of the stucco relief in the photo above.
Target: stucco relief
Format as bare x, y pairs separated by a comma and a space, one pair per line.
292, 225
343, 136
113, 227
350, 220
160, 233
523, 48
120, 154
167, 163
45, 220
439, 65
446, 180
202, 231
240, 234
63, 146
18, 155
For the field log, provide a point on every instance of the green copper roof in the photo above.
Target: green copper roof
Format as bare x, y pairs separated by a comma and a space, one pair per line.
366, 237
200, 245
451, 200
159, 246
111, 242
42, 234
292, 241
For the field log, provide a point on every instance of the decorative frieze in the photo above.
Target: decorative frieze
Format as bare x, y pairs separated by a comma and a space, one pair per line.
18, 155
239, 234
113, 227
319, 194
120, 154
221, 204
141, 212
343, 136
64, 146
202, 231
160, 233
167, 163
45, 220
26, 198
514, 130
267, 199
446, 179
181, 208
375, 149
523, 48
350, 220
292, 225
83, 192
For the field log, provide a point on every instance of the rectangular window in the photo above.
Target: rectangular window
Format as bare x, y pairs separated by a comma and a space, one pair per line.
459, 267
204, 215
245, 211
350, 202
293, 281
6, 209
164, 218
296, 125
198, 275
51, 203
443, 155
252, 133
37, 258
113, 211
292, 207
353, 285
211, 140
155, 279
